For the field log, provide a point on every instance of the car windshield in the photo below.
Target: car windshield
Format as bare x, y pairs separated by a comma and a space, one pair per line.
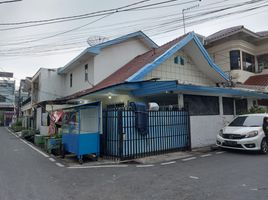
248, 121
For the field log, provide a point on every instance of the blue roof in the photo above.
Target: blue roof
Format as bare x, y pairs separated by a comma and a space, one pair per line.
160, 87
94, 50
190, 37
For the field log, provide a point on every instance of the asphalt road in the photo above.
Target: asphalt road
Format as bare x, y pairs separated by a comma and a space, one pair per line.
27, 175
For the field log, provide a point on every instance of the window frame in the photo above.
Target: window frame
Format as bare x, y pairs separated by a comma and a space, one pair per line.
71, 80
234, 60
86, 72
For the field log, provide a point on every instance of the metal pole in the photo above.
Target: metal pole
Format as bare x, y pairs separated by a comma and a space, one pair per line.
183, 15
183, 20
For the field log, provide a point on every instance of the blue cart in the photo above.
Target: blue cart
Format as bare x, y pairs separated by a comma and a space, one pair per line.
81, 130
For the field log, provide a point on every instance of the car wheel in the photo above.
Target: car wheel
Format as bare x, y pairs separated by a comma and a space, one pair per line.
264, 146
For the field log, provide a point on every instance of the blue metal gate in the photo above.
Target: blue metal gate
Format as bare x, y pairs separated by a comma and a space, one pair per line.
166, 131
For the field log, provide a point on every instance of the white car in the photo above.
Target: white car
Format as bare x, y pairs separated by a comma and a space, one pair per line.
245, 132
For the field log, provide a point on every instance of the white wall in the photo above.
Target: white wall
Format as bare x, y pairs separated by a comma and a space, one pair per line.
240, 75
102, 65
50, 85
79, 82
204, 129
114, 57
38, 118
185, 74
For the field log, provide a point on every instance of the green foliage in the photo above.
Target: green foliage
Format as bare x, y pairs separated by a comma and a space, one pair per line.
256, 109
16, 128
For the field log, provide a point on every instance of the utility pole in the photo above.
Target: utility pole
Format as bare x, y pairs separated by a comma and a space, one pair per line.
183, 15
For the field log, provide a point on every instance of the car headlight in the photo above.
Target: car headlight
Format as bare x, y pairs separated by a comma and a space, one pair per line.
221, 133
252, 134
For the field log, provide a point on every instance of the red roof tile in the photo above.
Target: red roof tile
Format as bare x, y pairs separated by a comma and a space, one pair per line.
261, 80
129, 69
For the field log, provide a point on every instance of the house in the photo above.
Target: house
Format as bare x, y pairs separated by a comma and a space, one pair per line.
86, 70
239, 52
182, 73
132, 68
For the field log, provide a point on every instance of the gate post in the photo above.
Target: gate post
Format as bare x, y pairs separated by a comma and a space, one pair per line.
104, 132
189, 130
120, 133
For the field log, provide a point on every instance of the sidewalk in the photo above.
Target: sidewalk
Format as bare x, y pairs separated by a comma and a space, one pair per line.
71, 160
173, 156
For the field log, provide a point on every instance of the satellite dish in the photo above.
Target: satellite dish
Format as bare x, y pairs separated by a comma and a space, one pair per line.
96, 39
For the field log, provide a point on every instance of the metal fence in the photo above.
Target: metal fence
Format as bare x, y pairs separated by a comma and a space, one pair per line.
167, 130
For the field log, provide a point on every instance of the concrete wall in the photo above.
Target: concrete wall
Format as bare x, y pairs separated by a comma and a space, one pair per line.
240, 75
186, 74
203, 132
50, 85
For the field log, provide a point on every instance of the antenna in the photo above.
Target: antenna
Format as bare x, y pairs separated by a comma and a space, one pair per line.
183, 14
96, 39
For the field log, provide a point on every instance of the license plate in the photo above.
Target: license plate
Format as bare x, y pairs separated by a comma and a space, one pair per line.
231, 143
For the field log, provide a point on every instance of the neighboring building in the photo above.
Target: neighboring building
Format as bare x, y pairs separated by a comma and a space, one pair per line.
239, 52
7, 95
25, 106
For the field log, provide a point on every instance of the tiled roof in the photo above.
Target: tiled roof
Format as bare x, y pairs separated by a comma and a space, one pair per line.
261, 80
224, 32
262, 33
129, 69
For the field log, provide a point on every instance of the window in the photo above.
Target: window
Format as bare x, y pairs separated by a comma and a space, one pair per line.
86, 72
234, 59
248, 121
182, 61
179, 60
176, 60
2, 98
71, 80
241, 106
228, 106
262, 62
248, 62
202, 105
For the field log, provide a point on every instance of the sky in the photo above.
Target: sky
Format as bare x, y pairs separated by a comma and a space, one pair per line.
23, 50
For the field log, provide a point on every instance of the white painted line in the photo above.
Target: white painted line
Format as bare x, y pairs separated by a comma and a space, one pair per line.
220, 152
142, 166
52, 159
205, 155
34, 148
194, 177
12, 133
168, 163
59, 164
254, 189
187, 159
97, 166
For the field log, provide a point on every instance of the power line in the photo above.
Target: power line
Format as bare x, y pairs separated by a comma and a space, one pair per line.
154, 30
11, 1
89, 15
